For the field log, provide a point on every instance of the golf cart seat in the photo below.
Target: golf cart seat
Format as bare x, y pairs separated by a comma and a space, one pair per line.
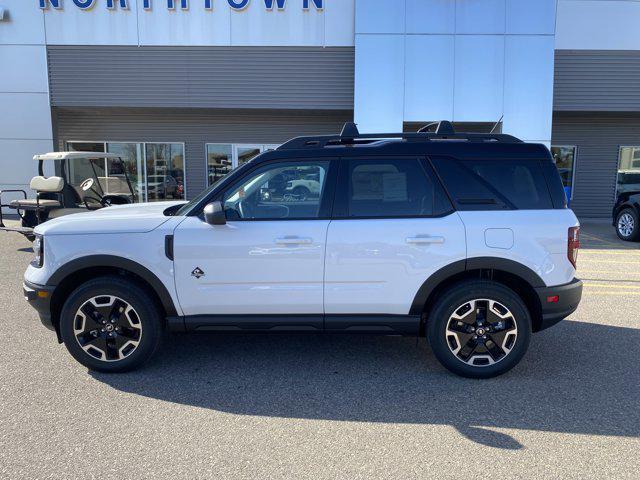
51, 185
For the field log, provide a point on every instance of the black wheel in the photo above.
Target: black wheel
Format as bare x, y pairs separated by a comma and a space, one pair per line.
301, 193
111, 324
628, 225
479, 329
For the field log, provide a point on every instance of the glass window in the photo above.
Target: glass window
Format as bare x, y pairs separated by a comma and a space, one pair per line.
564, 158
246, 153
495, 184
278, 191
392, 188
219, 161
628, 170
165, 171
132, 156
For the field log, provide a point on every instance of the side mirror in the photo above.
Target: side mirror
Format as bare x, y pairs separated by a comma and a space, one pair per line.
214, 214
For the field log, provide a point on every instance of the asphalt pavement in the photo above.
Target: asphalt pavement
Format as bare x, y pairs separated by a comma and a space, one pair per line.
329, 407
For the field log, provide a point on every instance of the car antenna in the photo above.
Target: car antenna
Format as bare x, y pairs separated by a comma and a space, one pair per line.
497, 123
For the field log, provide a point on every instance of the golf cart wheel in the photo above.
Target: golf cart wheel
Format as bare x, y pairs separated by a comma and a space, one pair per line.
628, 225
111, 324
479, 329
301, 193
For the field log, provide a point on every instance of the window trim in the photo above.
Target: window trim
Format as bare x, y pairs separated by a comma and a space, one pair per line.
575, 166
342, 190
327, 198
615, 184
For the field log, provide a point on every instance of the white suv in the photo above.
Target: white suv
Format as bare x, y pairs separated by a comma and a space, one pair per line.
463, 238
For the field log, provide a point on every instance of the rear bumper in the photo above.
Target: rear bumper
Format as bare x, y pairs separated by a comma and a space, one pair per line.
39, 297
569, 296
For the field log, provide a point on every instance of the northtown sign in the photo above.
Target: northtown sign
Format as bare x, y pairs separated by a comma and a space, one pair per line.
181, 4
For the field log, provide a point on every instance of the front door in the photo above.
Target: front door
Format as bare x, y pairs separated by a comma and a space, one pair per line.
269, 257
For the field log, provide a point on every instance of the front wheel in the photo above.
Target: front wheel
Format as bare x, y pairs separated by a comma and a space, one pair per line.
479, 329
627, 225
111, 324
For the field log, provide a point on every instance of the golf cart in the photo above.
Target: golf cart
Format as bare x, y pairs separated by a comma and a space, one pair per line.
55, 196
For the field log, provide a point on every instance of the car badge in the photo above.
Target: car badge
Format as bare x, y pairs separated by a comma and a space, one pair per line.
197, 272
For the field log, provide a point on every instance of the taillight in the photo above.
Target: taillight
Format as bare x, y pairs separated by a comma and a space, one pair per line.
573, 245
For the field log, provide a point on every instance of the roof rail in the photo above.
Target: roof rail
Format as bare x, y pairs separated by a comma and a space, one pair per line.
351, 136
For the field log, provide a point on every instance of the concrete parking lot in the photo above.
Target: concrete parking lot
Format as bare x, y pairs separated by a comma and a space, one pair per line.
331, 407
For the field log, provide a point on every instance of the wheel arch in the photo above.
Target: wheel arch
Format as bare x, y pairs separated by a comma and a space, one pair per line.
512, 274
71, 275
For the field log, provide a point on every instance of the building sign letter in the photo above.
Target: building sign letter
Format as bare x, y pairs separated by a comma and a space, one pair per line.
112, 4
269, 4
184, 4
44, 4
316, 3
84, 4
238, 4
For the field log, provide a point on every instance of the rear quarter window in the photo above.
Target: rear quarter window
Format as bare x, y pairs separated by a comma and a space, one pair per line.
495, 184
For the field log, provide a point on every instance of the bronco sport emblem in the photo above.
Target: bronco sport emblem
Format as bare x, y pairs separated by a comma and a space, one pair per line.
197, 272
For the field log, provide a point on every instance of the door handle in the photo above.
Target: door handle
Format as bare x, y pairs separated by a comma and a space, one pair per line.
293, 241
424, 240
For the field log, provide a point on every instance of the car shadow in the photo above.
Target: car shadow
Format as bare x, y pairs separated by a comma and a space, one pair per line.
577, 378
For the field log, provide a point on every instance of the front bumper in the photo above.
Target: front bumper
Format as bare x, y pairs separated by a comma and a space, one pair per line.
39, 297
568, 298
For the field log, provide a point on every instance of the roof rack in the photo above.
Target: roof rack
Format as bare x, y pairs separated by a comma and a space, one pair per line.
351, 136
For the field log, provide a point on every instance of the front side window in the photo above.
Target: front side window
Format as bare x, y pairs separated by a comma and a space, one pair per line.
391, 188
564, 158
628, 170
283, 190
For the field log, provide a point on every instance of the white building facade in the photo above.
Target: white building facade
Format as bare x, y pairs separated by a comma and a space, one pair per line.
189, 89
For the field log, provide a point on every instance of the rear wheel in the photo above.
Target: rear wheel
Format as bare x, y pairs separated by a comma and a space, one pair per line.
628, 225
479, 329
111, 324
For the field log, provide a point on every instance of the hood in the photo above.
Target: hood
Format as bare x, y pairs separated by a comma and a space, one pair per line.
134, 218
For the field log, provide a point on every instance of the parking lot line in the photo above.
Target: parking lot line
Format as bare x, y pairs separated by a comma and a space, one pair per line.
589, 284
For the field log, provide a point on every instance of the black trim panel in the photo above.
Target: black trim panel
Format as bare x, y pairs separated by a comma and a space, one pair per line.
569, 296
40, 304
509, 266
252, 323
373, 324
432, 282
95, 261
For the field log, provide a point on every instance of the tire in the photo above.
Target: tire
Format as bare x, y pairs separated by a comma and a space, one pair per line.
302, 193
463, 339
628, 225
137, 327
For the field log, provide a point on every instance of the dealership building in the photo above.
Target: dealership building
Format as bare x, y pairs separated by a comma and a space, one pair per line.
187, 90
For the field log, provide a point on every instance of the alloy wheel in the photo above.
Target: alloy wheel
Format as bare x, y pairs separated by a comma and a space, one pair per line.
481, 332
626, 224
107, 328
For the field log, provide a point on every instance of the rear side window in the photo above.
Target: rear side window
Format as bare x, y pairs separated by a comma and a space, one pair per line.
495, 184
388, 188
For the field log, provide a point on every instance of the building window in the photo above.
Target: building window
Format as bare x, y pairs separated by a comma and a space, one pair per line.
565, 160
155, 170
224, 157
628, 170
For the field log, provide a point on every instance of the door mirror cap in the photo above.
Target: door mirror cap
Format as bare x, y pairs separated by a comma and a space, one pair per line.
214, 214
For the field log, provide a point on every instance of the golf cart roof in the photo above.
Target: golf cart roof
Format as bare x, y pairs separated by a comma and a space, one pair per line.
73, 155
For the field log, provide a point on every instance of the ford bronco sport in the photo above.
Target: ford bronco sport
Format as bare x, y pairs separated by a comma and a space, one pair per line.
464, 239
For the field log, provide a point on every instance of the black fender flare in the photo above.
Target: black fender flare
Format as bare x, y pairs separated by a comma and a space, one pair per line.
112, 261
475, 263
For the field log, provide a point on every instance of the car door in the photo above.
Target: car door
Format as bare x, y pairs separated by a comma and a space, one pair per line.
268, 259
393, 227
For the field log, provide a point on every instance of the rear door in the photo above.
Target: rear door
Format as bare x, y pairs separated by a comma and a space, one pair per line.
393, 227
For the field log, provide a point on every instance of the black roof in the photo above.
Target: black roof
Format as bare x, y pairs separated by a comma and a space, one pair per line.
443, 141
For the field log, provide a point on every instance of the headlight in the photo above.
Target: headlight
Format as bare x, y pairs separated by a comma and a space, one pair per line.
38, 250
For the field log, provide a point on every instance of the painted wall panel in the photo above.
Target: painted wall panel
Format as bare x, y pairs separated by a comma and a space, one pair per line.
528, 87
339, 23
484, 17
24, 23
16, 159
479, 78
380, 16
431, 16
379, 83
598, 25
24, 68
25, 116
531, 17
429, 75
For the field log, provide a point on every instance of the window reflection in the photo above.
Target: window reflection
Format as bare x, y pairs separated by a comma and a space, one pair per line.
628, 170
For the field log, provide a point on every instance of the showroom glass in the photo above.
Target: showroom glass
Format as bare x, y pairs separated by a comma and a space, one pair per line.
628, 170
132, 156
291, 190
165, 171
392, 188
564, 157
219, 161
